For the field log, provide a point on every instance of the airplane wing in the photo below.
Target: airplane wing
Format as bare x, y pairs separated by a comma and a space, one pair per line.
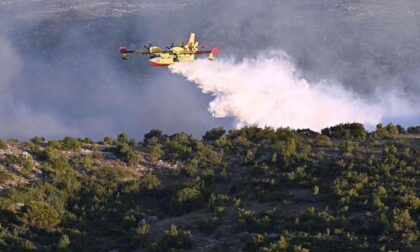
214, 50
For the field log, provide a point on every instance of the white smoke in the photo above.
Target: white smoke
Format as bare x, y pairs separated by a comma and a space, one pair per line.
18, 119
10, 64
268, 91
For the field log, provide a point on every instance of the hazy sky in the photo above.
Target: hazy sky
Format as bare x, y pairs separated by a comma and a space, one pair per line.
60, 72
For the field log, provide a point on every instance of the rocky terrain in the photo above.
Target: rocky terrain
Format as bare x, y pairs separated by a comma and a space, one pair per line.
243, 190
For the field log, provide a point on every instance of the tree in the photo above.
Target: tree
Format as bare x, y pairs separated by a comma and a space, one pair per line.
214, 134
346, 130
122, 138
413, 130
153, 136
392, 130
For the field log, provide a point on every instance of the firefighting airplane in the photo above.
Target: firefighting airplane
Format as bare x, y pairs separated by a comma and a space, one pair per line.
174, 54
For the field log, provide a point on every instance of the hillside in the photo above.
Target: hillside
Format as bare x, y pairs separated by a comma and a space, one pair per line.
252, 189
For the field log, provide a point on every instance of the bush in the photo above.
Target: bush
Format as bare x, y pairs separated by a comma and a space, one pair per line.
37, 140
322, 141
72, 144
63, 244
175, 239
40, 215
347, 146
115, 173
347, 130
388, 131
108, 140
126, 154
86, 161
413, 130
2, 144
26, 163
143, 233
155, 152
5, 176
149, 181
134, 157
188, 199
34, 149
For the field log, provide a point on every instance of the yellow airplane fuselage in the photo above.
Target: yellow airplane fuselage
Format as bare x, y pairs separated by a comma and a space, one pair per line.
166, 59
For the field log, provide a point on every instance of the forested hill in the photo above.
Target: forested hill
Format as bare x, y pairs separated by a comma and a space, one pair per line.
252, 189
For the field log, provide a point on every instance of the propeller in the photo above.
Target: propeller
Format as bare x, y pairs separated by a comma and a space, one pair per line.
148, 48
169, 48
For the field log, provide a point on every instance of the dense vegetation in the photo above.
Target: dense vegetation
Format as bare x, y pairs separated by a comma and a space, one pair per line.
253, 189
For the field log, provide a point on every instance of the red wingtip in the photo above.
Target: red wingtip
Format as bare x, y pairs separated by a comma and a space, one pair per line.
215, 50
123, 49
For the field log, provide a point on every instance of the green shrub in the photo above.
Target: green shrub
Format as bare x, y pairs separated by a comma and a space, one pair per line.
37, 140
25, 162
5, 176
63, 244
2, 144
187, 199
149, 182
346, 130
322, 141
143, 233
71, 144
40, 215
133, 157
108, 140
122, 138
347, 146
175, 239
413, 130
155, 153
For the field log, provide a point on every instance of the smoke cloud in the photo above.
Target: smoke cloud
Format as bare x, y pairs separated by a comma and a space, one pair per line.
269, 91
61, 74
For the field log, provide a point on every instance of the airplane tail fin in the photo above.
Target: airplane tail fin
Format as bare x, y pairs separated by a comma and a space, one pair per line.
191, 39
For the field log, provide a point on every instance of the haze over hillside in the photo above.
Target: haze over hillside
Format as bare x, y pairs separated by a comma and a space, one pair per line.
61, 73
